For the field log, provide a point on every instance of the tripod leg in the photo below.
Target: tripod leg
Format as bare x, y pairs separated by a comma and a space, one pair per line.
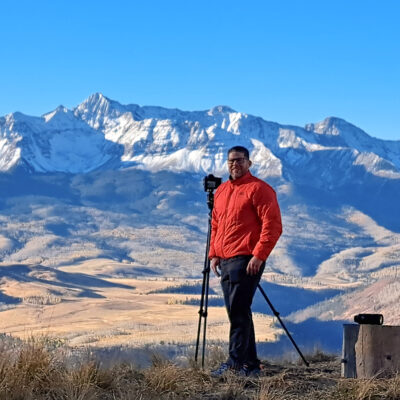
204, 290
205, 314
204, 297
283, 325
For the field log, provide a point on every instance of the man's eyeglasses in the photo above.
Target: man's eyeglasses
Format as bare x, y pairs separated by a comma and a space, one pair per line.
240, 160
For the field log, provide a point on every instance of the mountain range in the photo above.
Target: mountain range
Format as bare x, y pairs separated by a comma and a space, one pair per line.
103, 134
124, 183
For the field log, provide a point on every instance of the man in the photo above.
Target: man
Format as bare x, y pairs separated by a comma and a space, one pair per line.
246, 224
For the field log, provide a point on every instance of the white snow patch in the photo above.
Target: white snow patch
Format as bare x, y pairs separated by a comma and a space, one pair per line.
288, 139
377, 165
5, 243
265, 162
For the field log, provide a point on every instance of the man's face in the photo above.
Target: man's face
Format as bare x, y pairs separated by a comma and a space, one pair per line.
238, 164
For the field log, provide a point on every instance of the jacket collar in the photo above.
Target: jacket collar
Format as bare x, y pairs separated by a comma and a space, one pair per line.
243, 179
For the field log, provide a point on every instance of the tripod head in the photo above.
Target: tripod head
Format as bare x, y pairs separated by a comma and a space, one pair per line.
211, 182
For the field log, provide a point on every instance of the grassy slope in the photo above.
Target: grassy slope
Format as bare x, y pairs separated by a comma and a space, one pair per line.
40, 369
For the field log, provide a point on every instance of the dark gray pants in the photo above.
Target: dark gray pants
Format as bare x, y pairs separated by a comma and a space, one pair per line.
239, 289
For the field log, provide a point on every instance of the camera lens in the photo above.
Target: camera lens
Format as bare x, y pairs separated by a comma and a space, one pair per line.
370, 319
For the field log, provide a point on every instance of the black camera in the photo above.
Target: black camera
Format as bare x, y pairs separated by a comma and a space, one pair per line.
211, 182
371, 319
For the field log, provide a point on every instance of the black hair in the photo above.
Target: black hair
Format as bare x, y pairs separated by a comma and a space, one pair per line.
240, 149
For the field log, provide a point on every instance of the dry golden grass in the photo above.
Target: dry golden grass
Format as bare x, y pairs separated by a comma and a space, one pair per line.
132, 312
36, 370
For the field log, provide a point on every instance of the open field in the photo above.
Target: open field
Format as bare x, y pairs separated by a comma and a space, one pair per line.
102, 304
90, 309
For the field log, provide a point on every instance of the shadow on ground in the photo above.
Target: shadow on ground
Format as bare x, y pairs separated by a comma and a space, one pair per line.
287, 299
52, 277
310, 335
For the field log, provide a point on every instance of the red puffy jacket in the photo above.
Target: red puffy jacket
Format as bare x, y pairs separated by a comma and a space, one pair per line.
245, 220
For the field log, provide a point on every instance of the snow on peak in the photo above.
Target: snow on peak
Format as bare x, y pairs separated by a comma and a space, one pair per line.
17, 116
57, 141
96, 103
343, 132
59, 113
330, 126
220, 110
97, 98
338, 132
97, 109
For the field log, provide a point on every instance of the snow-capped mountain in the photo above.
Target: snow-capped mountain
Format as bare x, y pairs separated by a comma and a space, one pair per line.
103, 134
58, 141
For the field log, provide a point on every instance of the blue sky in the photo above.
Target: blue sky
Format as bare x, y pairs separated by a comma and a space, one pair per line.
287, 61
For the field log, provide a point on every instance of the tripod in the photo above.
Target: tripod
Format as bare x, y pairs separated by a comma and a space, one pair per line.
203, 311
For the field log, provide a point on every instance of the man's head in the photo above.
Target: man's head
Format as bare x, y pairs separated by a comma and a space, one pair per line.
238, 161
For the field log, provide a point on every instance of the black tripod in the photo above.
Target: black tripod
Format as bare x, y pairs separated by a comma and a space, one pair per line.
206, 279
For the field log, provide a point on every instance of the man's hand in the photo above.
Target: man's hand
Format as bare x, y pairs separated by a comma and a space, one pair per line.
214, 264
254, 266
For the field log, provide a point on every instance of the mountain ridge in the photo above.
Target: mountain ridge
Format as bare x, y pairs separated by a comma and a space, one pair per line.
156, 138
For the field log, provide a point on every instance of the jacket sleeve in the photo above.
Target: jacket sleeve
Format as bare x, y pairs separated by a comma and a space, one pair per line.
267, 209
